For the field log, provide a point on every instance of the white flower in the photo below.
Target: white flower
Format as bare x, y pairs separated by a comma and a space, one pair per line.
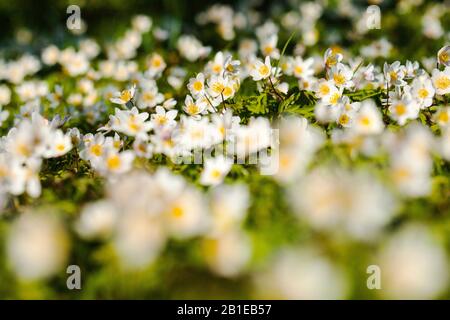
411, 178
195, 134
269, 47
142, 148
352, 202
441, 80
221, 88
197, 85
215, 170
138, 239
348, 112
442, 117
261, 70
50, 55
123, 97
368, 119
252, 138
163, 118
413, 265
379, 48
25, 178
132, 123
298, 143
333, 98
58, 144
93, 147
75, 65
229, 204
443, 56
97, 219
423, 91
90, 48
37, 246
32, 89
394, 73
412, 69
302, 274
331, 58
228, 253
216, 66
324, 88
224, 124
169, 104
142, 23
404, 109
191, 48
231, 67
247, 48
194, 108
5, 95
26, 140
115, 162
302, 68
187, 214
341, 75
156, 65
149, 97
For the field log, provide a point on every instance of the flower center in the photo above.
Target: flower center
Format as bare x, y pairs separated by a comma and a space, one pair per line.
365, 121
198, 85
215, 174
339, 79
443, 82
443, 117
177, 212
298, 70
113, 162
324, 89
263, 70
96, 150
334, 98
400, 109
125, 95
192, 109
423, 93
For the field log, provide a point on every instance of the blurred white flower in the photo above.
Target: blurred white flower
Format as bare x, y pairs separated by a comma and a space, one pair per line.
215, 170
337, 200
37, 246
443, 56
5, 95
228, 253
413, 265
98, 219
441, 81
301, 274
368, 119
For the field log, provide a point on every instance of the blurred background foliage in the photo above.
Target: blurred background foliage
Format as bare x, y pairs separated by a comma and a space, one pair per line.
107, 19
181, 272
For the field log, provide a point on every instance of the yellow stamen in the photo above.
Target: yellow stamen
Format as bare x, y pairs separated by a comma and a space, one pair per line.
113, 162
